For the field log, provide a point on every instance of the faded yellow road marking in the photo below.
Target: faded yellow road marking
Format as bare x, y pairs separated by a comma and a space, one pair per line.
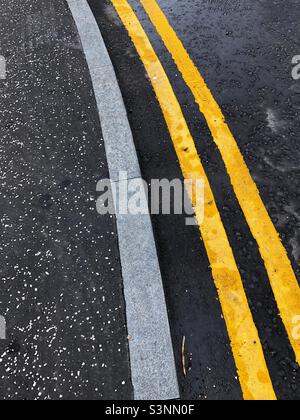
282, 278
247, 350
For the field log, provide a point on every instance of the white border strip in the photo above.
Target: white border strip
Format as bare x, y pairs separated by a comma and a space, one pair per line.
151, 352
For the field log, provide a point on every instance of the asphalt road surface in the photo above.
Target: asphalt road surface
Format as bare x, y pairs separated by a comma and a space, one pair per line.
244, 53
209, 92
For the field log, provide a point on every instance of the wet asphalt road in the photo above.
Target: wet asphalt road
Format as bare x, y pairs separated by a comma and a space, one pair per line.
60, 272
244, 51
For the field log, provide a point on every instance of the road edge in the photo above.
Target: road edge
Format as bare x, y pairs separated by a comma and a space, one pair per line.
153, 369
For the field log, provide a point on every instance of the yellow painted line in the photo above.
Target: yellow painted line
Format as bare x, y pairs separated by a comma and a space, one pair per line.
282, 277
247, 350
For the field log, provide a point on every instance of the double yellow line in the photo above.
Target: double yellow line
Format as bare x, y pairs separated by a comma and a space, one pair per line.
247, 350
